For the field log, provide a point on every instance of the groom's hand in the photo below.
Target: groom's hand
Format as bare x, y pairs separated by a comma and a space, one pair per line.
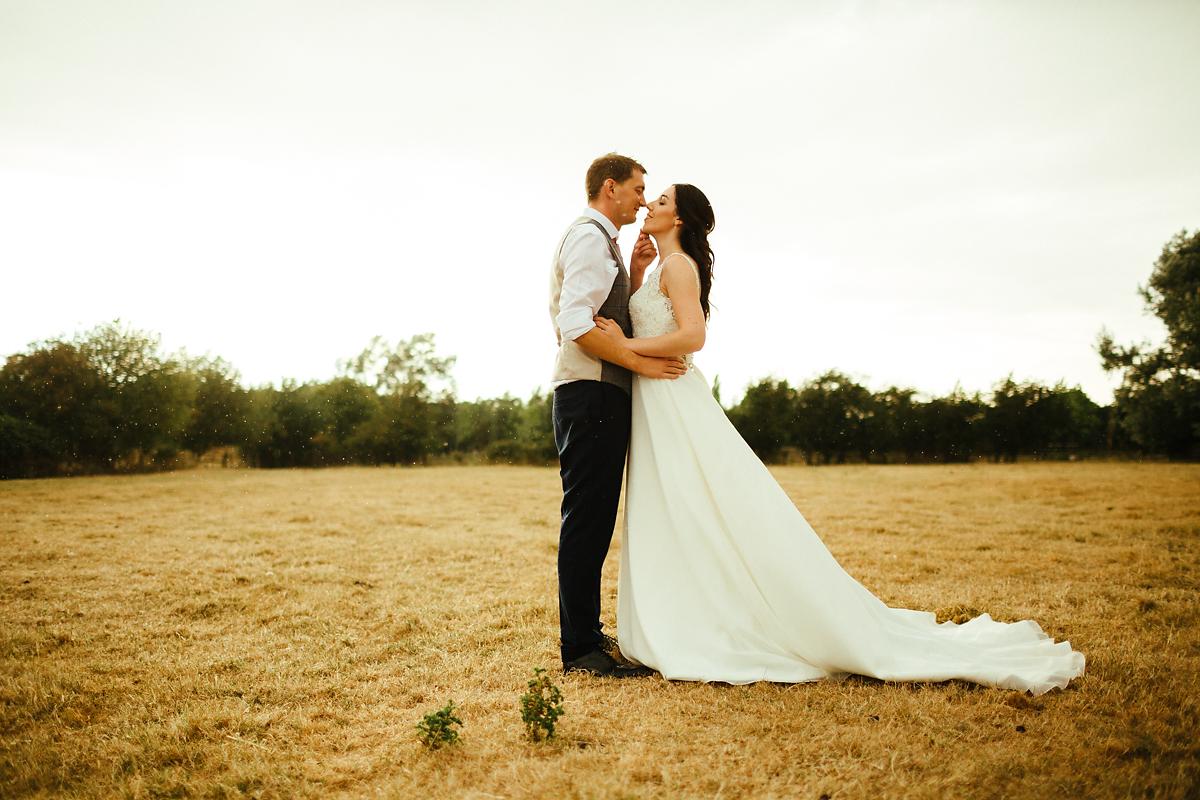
643, 253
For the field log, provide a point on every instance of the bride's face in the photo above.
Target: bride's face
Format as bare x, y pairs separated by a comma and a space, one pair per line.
660, 214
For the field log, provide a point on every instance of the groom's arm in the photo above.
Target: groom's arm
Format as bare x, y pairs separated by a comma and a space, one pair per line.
588, 275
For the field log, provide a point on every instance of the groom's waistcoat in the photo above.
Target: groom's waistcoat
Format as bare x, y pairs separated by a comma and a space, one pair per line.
573, 362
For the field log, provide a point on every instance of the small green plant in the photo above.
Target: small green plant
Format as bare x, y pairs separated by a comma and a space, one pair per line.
541, 706
437, 727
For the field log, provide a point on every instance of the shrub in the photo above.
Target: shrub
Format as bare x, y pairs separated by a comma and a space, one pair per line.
437, 727
541, 706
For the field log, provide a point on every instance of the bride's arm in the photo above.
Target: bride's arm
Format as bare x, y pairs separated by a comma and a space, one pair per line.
679, 283
595, 343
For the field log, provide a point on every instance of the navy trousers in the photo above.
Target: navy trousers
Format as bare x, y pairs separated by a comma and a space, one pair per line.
591, 431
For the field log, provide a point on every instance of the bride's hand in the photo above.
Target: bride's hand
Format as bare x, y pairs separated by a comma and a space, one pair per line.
611, 329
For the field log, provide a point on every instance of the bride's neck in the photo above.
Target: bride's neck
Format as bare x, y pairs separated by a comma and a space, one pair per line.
667, 244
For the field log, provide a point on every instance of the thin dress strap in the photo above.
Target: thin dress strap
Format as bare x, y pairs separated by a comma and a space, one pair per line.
695, 268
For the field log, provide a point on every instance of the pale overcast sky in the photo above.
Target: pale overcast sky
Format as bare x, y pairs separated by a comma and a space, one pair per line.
918, 193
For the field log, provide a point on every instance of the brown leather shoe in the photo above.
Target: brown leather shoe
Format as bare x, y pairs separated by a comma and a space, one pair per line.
601, 664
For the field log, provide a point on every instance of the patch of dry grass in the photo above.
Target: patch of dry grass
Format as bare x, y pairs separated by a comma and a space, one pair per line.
279, 634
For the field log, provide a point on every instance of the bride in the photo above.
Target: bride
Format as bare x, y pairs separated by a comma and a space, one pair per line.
722, 578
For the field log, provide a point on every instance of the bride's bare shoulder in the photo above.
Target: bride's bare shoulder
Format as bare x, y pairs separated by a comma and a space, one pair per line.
681, 259
678, 269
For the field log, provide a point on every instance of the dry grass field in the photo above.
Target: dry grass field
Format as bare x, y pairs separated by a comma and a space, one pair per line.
226, 633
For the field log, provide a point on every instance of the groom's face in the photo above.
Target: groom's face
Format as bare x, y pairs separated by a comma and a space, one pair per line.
629, 197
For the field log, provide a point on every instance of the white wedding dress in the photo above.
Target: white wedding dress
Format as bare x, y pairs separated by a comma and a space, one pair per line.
722, 579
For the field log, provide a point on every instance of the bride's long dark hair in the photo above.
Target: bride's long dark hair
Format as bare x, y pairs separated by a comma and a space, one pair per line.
696, 213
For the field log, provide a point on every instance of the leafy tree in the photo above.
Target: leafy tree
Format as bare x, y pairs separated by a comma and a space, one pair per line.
283, 426
342, 405
26, 449
1162, 414
1010, 421
403, 429
54, 389
952, 426
415, 413
831, 417
479, 423
1073, 421
536, 429
440, 415
1159, 396
147, 392
105, 396
410, 367
765, 417
894, 425
219, 412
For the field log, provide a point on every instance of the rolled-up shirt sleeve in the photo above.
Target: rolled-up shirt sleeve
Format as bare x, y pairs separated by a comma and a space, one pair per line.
588, 274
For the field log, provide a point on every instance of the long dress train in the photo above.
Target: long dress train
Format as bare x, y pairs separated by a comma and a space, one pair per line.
722, 578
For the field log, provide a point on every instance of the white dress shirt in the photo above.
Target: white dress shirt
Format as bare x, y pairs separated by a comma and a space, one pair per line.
588, 274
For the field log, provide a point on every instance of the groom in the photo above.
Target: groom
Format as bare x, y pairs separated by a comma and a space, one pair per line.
592, 385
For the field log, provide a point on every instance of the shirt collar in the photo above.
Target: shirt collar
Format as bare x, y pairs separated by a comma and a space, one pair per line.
603, 220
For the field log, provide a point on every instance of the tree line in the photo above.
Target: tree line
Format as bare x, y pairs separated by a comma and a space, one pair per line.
110, 399
832, 419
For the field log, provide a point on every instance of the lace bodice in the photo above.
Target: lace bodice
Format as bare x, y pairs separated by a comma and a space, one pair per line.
651, 311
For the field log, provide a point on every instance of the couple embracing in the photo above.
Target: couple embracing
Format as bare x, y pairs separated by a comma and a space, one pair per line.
721, 577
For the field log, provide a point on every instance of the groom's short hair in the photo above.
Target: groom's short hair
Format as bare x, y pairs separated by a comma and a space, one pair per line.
611, 165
